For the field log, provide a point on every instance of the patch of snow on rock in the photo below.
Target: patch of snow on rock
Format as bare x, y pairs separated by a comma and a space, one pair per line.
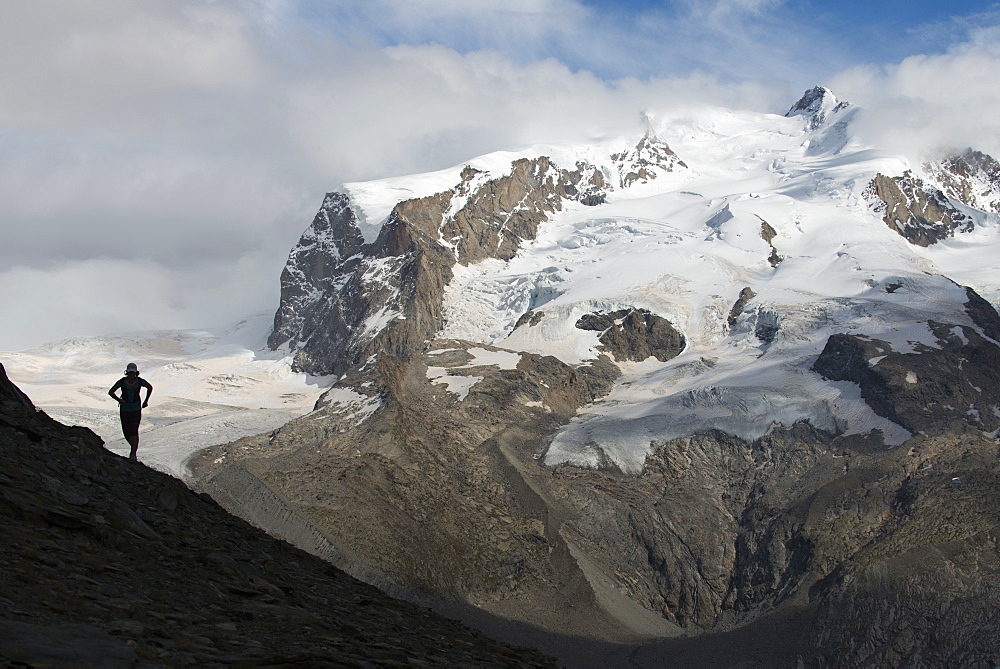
460, 385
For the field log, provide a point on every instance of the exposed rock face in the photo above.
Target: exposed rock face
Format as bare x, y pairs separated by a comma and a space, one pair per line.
635, 334
321, 264
668, 537
746, 295
499, 214
824, 527
972, 178
108, 563
907, 596
920, 213
343, 300
767, 233
643, 163
816, 105
931, 390
983, 314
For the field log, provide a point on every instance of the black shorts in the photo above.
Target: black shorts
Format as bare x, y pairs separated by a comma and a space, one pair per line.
130, 423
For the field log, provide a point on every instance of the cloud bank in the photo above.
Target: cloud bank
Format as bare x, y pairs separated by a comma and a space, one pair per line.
160, 158
930, 104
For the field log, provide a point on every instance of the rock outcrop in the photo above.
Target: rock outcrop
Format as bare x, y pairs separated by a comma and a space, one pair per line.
108, 563
920, 213
767, 233
931, 390
816, 105
650, 158
971, 177
634, 334
926, 211
746, 294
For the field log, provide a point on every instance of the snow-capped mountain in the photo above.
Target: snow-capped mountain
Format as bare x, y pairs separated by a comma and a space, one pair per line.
664, 384
733, 366
698, 213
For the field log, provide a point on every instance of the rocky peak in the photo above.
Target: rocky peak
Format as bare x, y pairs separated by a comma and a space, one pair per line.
318, 265
918, 211
343, 300
971, 177
816, 104
649, 158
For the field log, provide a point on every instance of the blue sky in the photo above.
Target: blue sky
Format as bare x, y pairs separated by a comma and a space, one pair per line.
737, 39
187, 143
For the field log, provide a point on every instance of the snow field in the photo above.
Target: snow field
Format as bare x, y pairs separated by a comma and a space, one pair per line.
461, 385
684, 245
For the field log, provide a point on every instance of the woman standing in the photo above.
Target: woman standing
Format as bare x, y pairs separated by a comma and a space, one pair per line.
129, 404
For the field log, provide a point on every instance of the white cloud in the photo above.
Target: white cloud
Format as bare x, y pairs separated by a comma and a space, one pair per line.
112, 64
480, 22
736, 8
100, 296
929, 103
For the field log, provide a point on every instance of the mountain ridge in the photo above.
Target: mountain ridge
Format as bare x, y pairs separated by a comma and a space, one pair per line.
729, 380
703, 390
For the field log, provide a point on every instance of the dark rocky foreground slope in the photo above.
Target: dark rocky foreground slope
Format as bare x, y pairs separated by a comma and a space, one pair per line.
108, 563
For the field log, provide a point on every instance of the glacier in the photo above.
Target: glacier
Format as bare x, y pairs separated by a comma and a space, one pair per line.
684, 244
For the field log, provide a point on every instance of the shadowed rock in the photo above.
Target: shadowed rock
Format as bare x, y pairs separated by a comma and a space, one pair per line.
746, 295
934, 389
634, 334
